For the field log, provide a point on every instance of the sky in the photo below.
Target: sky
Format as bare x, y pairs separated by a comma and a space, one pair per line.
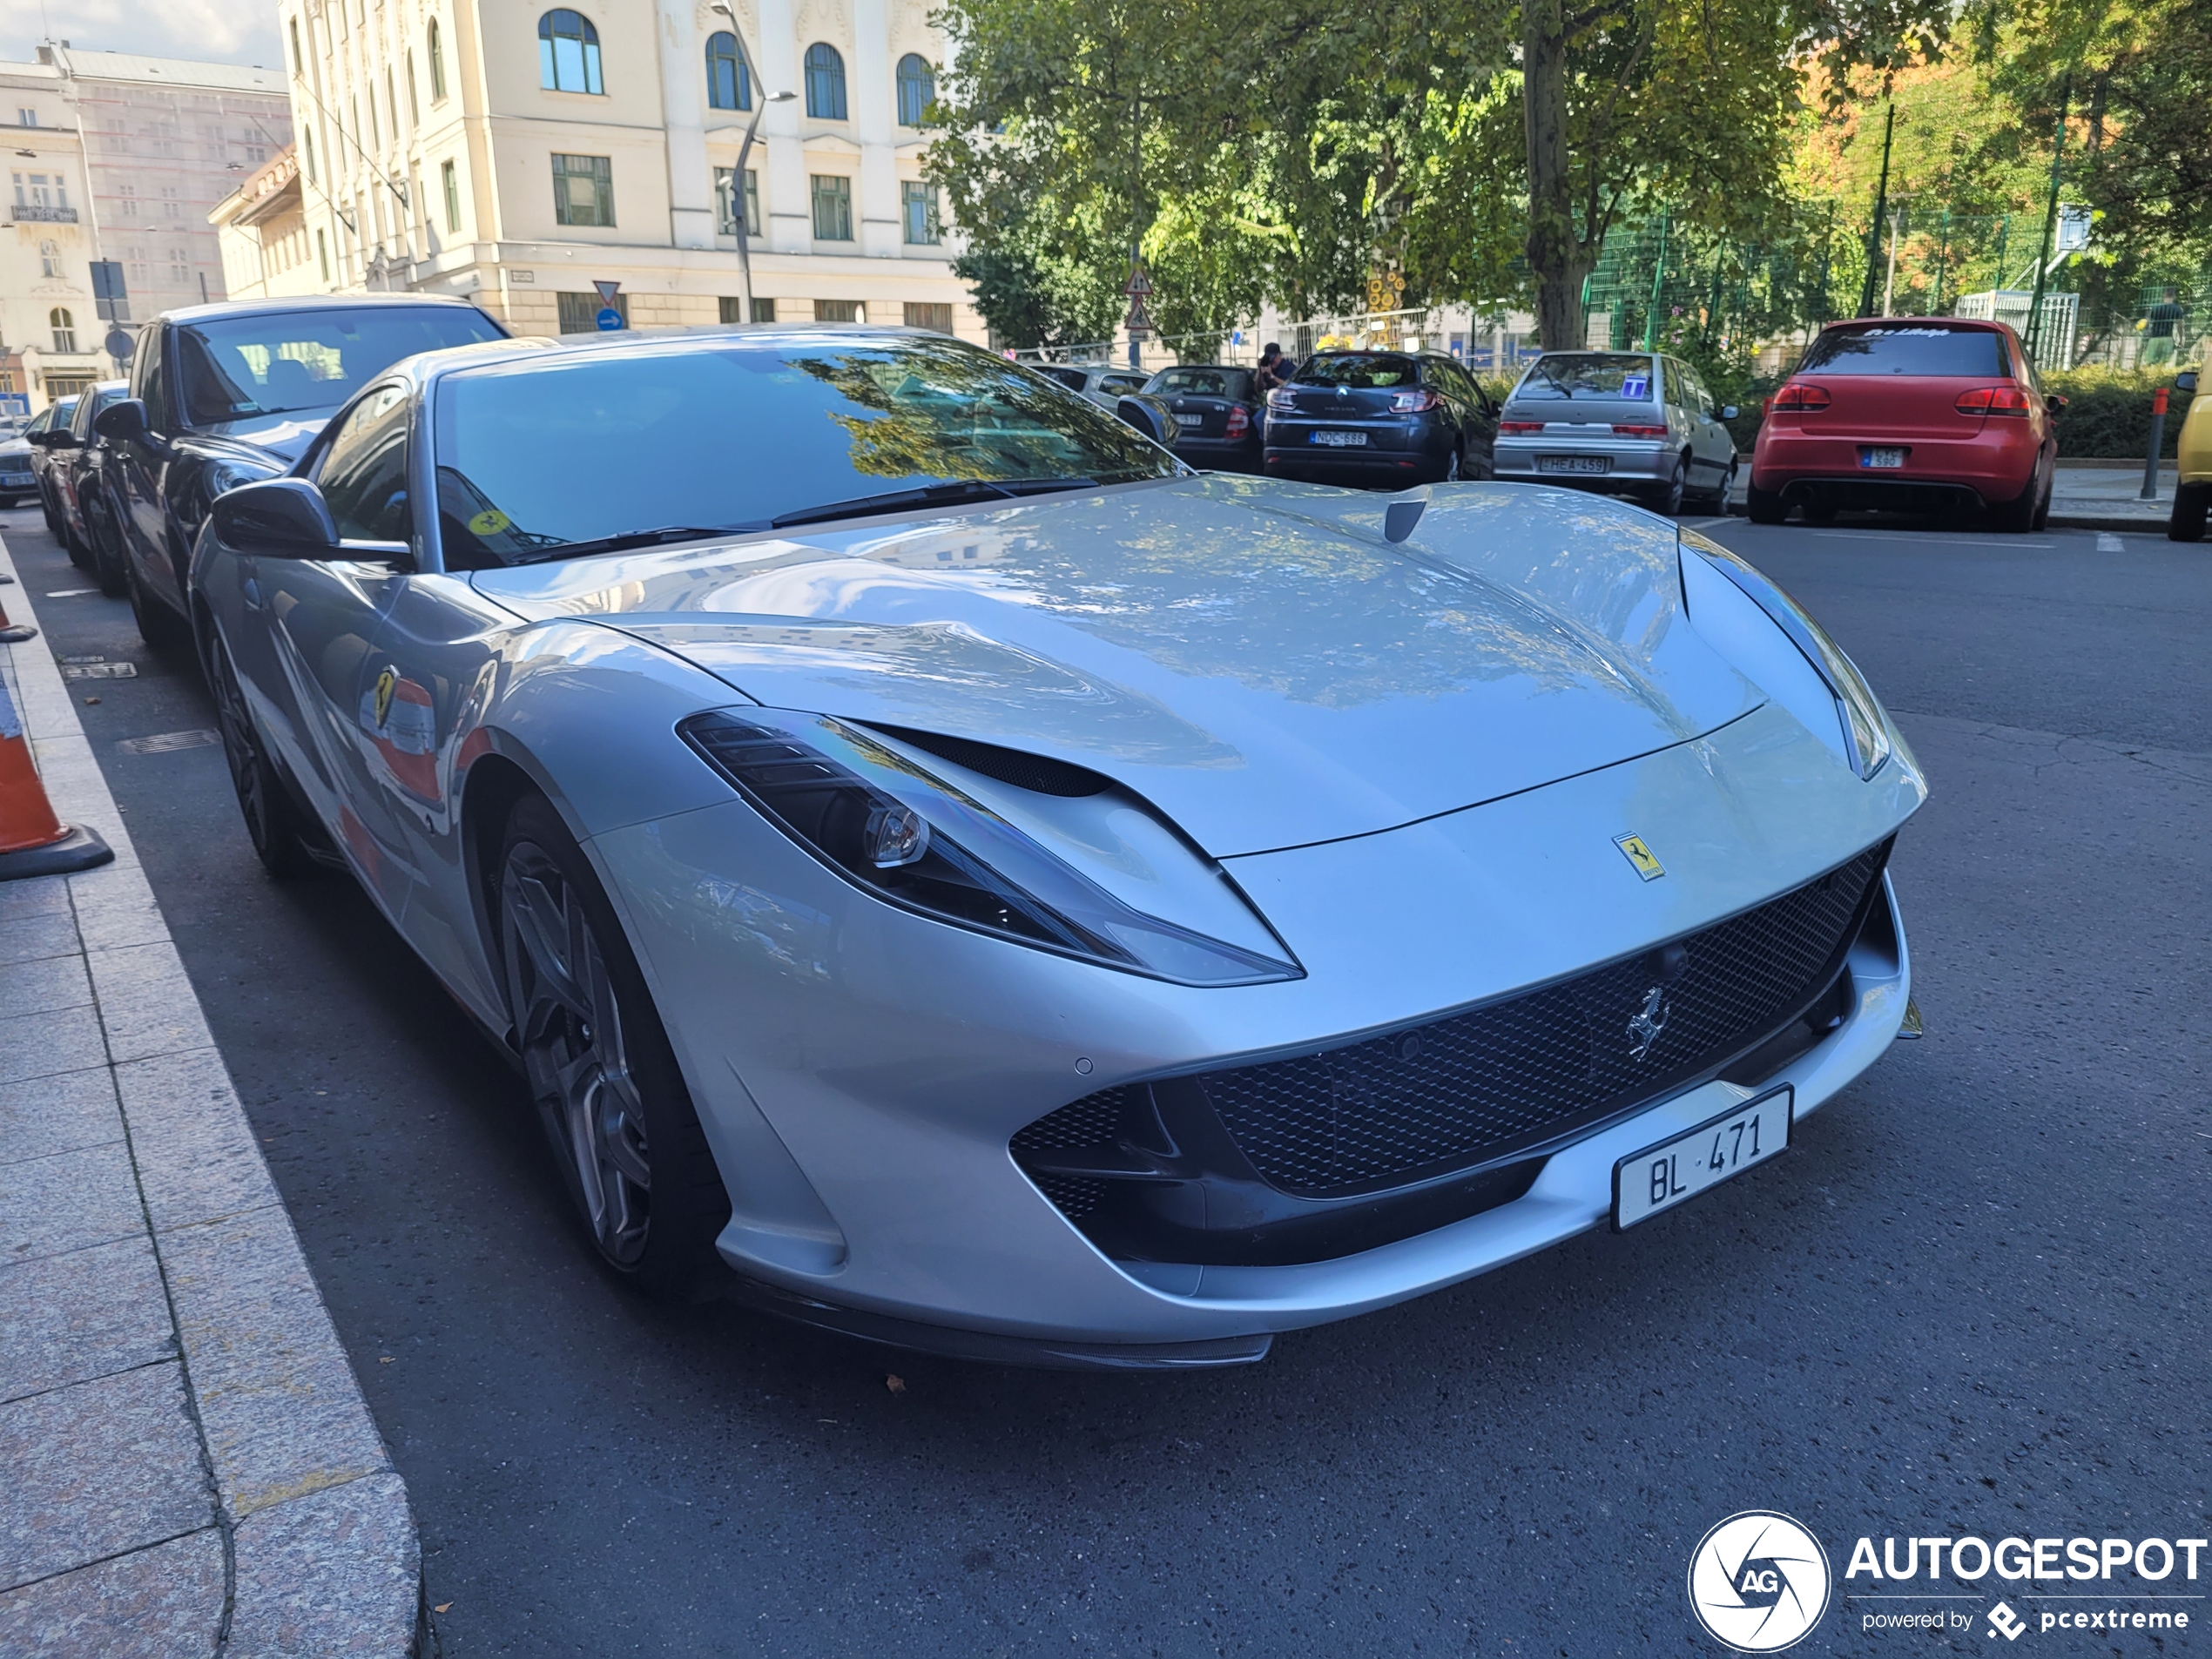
221, 32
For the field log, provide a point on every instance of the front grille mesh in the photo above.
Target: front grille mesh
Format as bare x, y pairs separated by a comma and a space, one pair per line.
1513, 1074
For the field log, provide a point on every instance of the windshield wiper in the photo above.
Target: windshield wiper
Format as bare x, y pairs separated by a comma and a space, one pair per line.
634, 538
926, 496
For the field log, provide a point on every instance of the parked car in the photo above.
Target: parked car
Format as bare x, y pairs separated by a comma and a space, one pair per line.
88, 524
1121, 392
999, 890
42, 460
1380, 417
1220, 413
18, 483
1636, 423
227, 393
2192, 464
1921, 414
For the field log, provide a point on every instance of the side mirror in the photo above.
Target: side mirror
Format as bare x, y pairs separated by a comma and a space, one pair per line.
123, 421
279, 518
2053, 402
55, 437
2186, 381
1728, 411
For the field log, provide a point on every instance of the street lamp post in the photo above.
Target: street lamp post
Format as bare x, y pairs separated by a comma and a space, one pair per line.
744, 151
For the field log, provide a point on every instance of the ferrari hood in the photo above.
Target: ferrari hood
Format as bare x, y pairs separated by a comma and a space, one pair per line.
1251, 657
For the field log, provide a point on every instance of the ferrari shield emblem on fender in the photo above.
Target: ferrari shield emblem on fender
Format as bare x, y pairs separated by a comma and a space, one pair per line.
1646, 863
386, 683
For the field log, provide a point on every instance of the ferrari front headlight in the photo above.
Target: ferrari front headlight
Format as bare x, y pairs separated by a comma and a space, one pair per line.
877, 818
1865, 732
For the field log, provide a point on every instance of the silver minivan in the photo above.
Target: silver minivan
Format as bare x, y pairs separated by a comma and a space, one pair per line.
1640, 423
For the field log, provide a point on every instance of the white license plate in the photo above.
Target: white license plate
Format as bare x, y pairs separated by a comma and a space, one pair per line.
1341, 440
1881, 457
1661, 1176
1573, 463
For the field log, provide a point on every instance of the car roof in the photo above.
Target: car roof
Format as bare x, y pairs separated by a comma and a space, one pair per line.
1982, 325
222, 309
522, 351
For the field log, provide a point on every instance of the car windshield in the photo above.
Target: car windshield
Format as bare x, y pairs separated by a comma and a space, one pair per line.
1200, 382
1625, 376
288, 363
1358, 369
594, 449
1923, 348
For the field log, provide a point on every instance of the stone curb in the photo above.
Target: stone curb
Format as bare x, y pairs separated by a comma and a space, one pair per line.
172, 1279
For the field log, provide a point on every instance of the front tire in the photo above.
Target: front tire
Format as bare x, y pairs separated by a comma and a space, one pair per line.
274, 821
106, 538
608, 1091
2186, 522
160, 627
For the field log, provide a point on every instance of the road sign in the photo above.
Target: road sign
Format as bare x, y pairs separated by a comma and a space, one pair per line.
120, 345
1139, 285
608, 318
109, 298
607, 292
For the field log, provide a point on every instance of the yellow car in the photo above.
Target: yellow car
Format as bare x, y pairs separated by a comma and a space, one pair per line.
2193, 493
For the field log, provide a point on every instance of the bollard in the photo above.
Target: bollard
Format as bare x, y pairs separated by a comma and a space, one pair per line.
2157, 442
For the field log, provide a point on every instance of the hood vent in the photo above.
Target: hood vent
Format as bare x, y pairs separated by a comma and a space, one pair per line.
1038, 774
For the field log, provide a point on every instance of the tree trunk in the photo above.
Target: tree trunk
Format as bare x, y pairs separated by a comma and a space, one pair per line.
1556, 254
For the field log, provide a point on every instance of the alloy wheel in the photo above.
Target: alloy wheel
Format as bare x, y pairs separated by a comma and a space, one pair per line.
569, 1025
247, 773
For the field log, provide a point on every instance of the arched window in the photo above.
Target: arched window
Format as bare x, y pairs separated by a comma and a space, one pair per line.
728, 86
65, 327
568, 52
917, 86
50, 259
437, 63
825, 82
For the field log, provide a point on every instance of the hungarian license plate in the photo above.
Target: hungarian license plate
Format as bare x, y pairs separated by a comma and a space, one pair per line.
1341, 440
1881, 457
1661, 1176
1573, 463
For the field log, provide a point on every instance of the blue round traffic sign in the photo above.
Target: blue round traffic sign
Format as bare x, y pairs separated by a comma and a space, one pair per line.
608, 318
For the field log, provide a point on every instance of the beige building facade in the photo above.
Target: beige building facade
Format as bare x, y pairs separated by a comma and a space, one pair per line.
116, 157
522, 156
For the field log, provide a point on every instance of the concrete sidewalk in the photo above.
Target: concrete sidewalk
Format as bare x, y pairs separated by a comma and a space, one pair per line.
2108, 498
190, 1467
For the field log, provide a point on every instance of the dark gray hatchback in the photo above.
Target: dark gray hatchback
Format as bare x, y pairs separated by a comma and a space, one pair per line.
1374, 417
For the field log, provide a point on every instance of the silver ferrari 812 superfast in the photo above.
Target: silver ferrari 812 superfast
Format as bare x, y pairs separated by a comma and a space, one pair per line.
958, 876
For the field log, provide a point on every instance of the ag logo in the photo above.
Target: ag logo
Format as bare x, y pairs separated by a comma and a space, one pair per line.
1758, 1581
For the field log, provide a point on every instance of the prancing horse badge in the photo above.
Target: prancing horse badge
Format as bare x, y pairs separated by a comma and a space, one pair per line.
1633, 849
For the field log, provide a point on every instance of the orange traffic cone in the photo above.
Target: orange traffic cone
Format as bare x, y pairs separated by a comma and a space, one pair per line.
32, 840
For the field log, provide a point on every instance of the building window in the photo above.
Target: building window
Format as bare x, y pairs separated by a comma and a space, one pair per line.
65, 327
568, 53
323, 253
917, 86
50, 259
450, 179
391, 104
437, 64
825, 82
299, 59
310, 137
936, 318
726, 218
728, 85
26, 118
918, 212
580, 312
584, 190
129, 194
838, 311
733, 309
413, 104
833, 206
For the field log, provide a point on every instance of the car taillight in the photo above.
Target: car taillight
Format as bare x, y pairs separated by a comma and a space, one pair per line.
1239, 422
1994, 399
1523, 428
1280, 398
1415, 403
1797, 399
1628, 431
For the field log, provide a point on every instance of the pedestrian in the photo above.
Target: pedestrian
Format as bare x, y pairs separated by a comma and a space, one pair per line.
1264, 373
2158, 324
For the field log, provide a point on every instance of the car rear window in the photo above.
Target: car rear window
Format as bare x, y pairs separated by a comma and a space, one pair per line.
1923, 348
1358, 369
236, 369
1623, 377
1201, 382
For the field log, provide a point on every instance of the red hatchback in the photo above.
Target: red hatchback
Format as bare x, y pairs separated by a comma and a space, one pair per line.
1920, 414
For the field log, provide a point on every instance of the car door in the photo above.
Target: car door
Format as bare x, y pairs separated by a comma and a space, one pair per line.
321, 616
1710, 445
138, 468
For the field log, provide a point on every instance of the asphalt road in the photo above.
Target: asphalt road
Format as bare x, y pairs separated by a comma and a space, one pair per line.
1970, 1299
